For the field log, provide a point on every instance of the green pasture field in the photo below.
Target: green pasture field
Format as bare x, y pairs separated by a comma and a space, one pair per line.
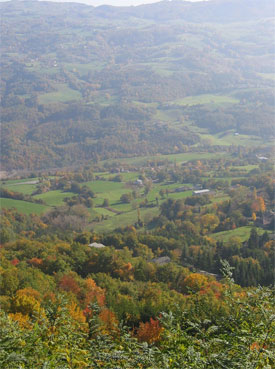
24, 207
63, 94
247, 168
219, 197
16, 181
242, 233
102, 174
145, 104
206, 99
93, 213
177, 158
128, 214
163, 69
103, 211
83, 69
228, 179
113, 197
180, 195
26, 189
39, 68
98, 201
121, 207
229, 138
131, 176
54, 198
126, 177
170, 116
122, 220
104, 186
113, 191
175, 195
108, 190
103, 98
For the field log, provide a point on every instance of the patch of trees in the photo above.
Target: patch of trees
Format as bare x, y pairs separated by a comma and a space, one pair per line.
256, 120
126, 198
8, 194
68, 218
197, 200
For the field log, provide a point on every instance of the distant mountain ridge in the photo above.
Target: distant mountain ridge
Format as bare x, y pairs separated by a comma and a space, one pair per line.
204, 11
208, 11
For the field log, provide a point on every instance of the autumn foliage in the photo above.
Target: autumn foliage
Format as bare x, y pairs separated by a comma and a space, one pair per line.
258, 205
108, 320
36, 262
195, 282
69, 284
94, 293
150, 331
15, 262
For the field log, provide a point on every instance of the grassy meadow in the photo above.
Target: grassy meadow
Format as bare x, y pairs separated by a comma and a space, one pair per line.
175, 158
242, 233
26, 189
54, 198
122, 220
24, 207
63, 94
206, 99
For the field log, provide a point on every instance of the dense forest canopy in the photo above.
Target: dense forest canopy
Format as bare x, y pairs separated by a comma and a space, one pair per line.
83, 83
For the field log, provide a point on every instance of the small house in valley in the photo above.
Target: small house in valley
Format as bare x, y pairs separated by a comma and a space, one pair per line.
97, 245
201, 192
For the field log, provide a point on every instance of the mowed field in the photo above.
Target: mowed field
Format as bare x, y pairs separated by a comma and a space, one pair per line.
230, 138
24, 207
206, 99
176, 158
26, 189
54, 198
26, 186
242, 233
63, 94
125, 219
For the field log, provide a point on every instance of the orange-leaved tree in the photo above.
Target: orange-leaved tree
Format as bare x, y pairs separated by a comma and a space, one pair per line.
109, 321
69, 284
150, 331
92, 294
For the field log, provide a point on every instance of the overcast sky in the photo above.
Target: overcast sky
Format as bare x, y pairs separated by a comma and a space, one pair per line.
110, 2
114, 2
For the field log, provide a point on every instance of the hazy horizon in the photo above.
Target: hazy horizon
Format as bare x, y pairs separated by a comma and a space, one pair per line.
111, 2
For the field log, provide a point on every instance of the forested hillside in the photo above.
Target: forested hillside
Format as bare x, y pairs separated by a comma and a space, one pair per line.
137, 186
81, 83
